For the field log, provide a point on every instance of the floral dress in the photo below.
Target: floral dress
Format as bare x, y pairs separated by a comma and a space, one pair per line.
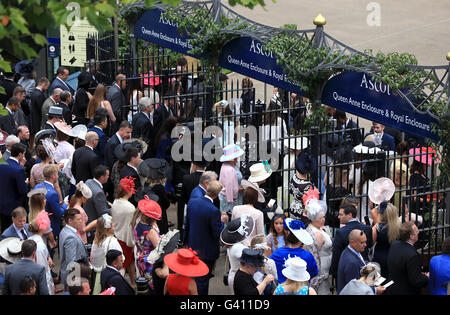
143, 249
298, 187
280, 291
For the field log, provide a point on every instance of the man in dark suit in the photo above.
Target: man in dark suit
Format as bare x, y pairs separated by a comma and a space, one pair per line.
133, 159
190, 181
12, 184
19, 226
116, 97
84, 159
7, 122
143, 121
111, 277
66, 98
343, 124
55, 113
204, 223
347, 216
165, 110
37, 100
381, 138
9, 85
351, 261
100, 124
26, 267
62, 73
52, 204
123, 133
404, 264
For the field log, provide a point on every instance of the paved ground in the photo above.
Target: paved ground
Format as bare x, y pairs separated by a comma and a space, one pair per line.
419, 27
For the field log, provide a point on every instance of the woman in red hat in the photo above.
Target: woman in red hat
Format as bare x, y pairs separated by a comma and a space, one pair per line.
146, 235
122, 211
186, 265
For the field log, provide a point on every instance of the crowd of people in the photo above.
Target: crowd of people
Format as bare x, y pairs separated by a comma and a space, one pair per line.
89, 177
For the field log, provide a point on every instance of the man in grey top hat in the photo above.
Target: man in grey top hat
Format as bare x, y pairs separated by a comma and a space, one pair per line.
55, 114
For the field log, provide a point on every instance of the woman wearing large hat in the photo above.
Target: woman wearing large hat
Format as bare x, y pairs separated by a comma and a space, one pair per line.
293, 148
297, 278
299, 184
230, 178
233, 236
155, 171
146, 235
297, 237
186, 265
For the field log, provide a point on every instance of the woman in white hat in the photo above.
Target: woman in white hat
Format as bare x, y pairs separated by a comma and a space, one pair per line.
230, 177
64, 150
296, 278
81, 195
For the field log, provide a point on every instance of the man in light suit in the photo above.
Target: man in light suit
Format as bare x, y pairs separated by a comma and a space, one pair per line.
52, 100
85, 160
62, 74
347, 216
19, 227
26, 267
382, 139
116, 97
111, 277
12, 184
97, 205
204, 223
52, 205
404, 264
71, 246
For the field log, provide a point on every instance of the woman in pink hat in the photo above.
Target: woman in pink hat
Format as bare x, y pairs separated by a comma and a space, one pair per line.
146, 235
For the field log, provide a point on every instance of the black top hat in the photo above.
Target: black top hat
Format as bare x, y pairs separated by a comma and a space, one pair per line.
306, 163
237, 230
121, 150
252, 257
154, 168
55, 111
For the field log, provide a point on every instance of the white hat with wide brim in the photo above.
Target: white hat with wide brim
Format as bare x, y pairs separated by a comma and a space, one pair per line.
245, 183
258, 173
381, 190
79, 131
295, 269
362, 149
231, 152
11, 249
301, 234
299, 143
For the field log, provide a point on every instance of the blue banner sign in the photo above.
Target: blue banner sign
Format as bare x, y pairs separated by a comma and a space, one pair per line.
358, 94
246, 56
153, 28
